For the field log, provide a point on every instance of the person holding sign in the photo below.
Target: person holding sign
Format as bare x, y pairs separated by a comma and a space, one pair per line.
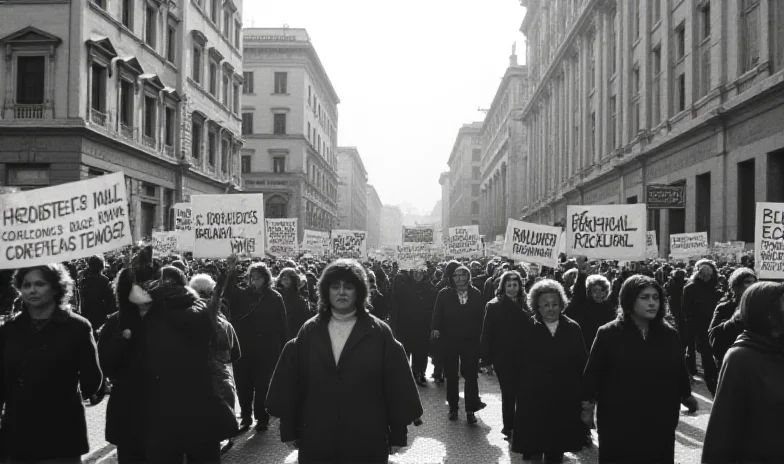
50, 364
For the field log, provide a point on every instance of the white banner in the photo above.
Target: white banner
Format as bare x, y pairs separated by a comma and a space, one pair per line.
316, 242
532, 243
228, 224
651, 246
64, 222
418, 234
282, 237
164, 243
464, 241
769, 241
685, 246
729, 251
606, 231
183, 224
349, 244
414, 255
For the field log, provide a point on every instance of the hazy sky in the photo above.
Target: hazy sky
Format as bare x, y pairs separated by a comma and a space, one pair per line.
408, 73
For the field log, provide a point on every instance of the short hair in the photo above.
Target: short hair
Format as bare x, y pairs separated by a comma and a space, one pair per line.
507, 276
347, 270
174, 274
544, 287
739, 275
96, 264
203, 284
632, 288
56, 275
759, 308
597, 279
262, 270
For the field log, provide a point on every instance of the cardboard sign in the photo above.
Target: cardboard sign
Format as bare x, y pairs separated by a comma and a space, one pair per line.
606, 231
349, 244
164, 243
665, 196
532, 243
183, 224
282, 237
684, 246
769, 241
316, 242
651, 246
418, 234
65, 222
464, 241
729, 251
228, 224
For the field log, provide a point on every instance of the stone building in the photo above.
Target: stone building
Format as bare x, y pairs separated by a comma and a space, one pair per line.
638, 92
290, 124
148, 88
352, 190
374, 207
464, 177
443, 179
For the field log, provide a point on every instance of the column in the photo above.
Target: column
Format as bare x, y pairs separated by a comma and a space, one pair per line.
624, 70
585, 125
666, 93
765, 36
88, 116
601, 85
645, 75
569, 120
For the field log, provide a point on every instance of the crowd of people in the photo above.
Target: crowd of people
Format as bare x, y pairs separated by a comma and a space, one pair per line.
336, 350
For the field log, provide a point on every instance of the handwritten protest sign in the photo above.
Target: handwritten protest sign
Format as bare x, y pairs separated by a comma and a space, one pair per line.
415, 255
532, 243
730, 252
164, 243
316, 242
349, 244
684, 246
652, 247
227, 224
464, 241
606, 231
183, 224
418, 234
282, 237
65, 222
769, 241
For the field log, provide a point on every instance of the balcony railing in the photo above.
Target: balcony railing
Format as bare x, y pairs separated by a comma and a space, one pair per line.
169, 150
28, 111
127, 131
148, 141
97, 117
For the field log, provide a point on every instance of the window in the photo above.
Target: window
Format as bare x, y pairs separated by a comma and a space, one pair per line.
636, 81
705, 71
212, 146
245, 164
613, 43
247, 123
30, 80
613, 123
475, 173
314, 135
127, 13
705, 25
656, 86
308, 132
98, 91
592, 70
150, 17
225, 90
197, 129
279, 124
126, 103
150, 107
656, 10
592, 141
214, 78
237, 33
198, 52
171, 43
224, 162
750, 27
226, 24
680, 42
278, 164
236, 95
476, 154
310, 93
247, 82
680, 92
170, 126
281, 79
656, 60
635, 117
636, 22
214, 11
475, 190
474, 207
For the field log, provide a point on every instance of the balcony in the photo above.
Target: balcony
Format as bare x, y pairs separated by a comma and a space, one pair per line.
127, 131
28, 111
96, 117
148, 141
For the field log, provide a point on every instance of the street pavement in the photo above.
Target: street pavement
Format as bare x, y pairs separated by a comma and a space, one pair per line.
437, 441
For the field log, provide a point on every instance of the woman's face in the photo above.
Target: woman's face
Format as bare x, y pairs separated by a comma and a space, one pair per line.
342, 296
418, 275
550, 307
741, 287
512, 287
598, 293
256, 280
461, 278
646, 306
285, 282
37, 292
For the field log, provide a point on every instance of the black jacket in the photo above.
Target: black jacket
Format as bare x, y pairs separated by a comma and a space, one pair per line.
297, 312
506, 328
97, 299
260, 321
588, 313
459, 323
412, 311
699, 301
724, 329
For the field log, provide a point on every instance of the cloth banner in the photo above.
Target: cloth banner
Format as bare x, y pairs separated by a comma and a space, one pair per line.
464, 241
183, 224
418, 234
349, 244
64, 222
606, 231
228, 224
315, 241
651, 247
282, 237
532, 243
769, 241
684, 246
164, 243
729, 251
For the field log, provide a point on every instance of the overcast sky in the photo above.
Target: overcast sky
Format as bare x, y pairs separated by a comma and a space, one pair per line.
408, 73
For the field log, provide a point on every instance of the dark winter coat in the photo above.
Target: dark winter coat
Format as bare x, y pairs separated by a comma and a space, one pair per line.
506, 328
412, 312
588, 313
260, 322
297, 312
97, 299
347, 412
699, 301
379, 305
547, 418
46, 375
639, 384
724, 329
748, 412
458, 324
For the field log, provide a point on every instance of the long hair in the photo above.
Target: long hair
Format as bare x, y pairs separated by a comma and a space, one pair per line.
263, 271
347, 270
632, 288
760, 308
600, 280
57, 276
293, 276
506, 277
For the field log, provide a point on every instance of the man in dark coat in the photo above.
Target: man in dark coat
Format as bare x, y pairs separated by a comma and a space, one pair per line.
97, 294
412, 311
700, 297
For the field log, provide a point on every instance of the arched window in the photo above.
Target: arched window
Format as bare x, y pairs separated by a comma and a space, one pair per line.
276, 207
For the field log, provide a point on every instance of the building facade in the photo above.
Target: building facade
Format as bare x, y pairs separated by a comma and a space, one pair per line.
631, 93
148, 88
465, 164
504, 153
374, 207
443, 179
391, 226
352, 190
290, 124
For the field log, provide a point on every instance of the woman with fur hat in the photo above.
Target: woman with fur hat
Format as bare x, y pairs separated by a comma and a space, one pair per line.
342, 389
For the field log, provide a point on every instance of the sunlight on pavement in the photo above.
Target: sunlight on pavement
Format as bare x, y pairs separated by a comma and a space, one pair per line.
422, 451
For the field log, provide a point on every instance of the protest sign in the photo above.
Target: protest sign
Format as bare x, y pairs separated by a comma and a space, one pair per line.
730, 252
769, 241
64, 222
316, 242
228, 224
684, 246
463, 241
418, 234
532, 243
652, 247
183, 224
665, 196
606, 231
164, 243
349, 244
282, 237
414, 255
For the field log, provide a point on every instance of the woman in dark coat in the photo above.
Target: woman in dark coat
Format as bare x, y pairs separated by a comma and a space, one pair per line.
700, 297
507, 325
379, 302
724, 328
593, 304
637, 356
50, 364
342, 389
547, 419
412, 311
297, 310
